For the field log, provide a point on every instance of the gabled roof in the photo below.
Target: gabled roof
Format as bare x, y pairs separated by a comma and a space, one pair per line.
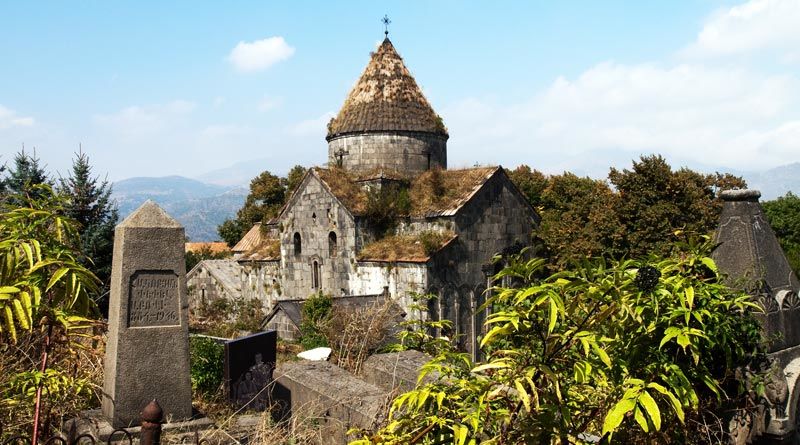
386, 98
255, 245
225, 272
433, 193
250, 240
213, 247
294, 308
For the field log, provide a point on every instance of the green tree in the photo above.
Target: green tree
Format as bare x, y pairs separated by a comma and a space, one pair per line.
3, 186
267, 196
784, 217
88, 202
579, 219
631, 352
23, 178
205, 253
655, 202
293, 178
531, 183
45, 299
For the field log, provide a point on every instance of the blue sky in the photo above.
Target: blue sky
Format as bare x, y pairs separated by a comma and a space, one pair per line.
159, 88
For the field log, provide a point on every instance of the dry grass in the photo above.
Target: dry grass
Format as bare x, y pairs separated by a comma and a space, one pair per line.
267, 249
415, 248
307, 425
354, 333
432, 192
344, 188
435, 191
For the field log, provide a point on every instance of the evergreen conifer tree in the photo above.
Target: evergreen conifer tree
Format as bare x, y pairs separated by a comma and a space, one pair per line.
88, 201
23, 178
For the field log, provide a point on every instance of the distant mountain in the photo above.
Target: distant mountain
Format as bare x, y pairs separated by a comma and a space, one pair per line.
199, 206
239, 174
775, 182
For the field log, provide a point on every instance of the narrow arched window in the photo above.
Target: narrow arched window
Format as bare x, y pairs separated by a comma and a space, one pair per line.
298, 244
332, 244
315, 275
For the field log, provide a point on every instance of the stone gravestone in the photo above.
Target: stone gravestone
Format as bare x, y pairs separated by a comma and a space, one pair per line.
249, 362
147, 355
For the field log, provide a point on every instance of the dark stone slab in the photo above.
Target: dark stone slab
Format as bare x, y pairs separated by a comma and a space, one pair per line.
249, 362
147, 354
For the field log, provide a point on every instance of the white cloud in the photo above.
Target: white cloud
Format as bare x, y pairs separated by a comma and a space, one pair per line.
260, 54
9, 118
752, 26
317, 126
697, 115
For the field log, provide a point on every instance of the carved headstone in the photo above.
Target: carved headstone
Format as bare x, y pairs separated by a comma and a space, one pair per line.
249, 362
147, 355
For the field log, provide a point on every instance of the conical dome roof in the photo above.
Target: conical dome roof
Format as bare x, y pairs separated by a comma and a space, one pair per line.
386, 98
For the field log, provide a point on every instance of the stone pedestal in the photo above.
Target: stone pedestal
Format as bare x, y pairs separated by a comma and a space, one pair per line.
147, 355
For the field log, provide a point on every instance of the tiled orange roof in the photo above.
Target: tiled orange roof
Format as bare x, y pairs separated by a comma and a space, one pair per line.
214, 247
386, 98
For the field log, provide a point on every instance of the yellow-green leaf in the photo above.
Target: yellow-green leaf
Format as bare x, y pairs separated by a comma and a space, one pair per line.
553, 316
640, 419
56, 276
10, 323
523, 395
22, 316
651, 408
614, 417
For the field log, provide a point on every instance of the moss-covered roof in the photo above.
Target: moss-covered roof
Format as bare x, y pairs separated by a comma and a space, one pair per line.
433, 193
386, 98
416, 248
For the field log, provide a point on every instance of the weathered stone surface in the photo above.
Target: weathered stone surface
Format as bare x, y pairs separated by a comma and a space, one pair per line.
406, 152
394, 370
749, 254
340, 399
147, 355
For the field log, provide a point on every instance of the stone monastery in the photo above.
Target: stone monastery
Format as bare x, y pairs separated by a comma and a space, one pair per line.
385, 219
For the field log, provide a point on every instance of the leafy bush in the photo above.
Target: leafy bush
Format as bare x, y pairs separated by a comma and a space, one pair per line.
221, 317
637, 352
206, 357
315, 314
45, 301
784, 217
385, 205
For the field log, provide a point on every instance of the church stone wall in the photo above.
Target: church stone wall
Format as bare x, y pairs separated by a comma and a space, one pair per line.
416, 226
495, 219
261, 280
401, 279
203, 288
314, 215
406, 152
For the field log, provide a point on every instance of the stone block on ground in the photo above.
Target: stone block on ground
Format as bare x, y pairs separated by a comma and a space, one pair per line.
322, 389
394, 370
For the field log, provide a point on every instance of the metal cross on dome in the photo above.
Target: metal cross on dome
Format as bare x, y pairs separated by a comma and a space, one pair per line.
386, 22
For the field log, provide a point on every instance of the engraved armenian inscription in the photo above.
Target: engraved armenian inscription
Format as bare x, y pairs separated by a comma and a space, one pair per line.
153, 299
